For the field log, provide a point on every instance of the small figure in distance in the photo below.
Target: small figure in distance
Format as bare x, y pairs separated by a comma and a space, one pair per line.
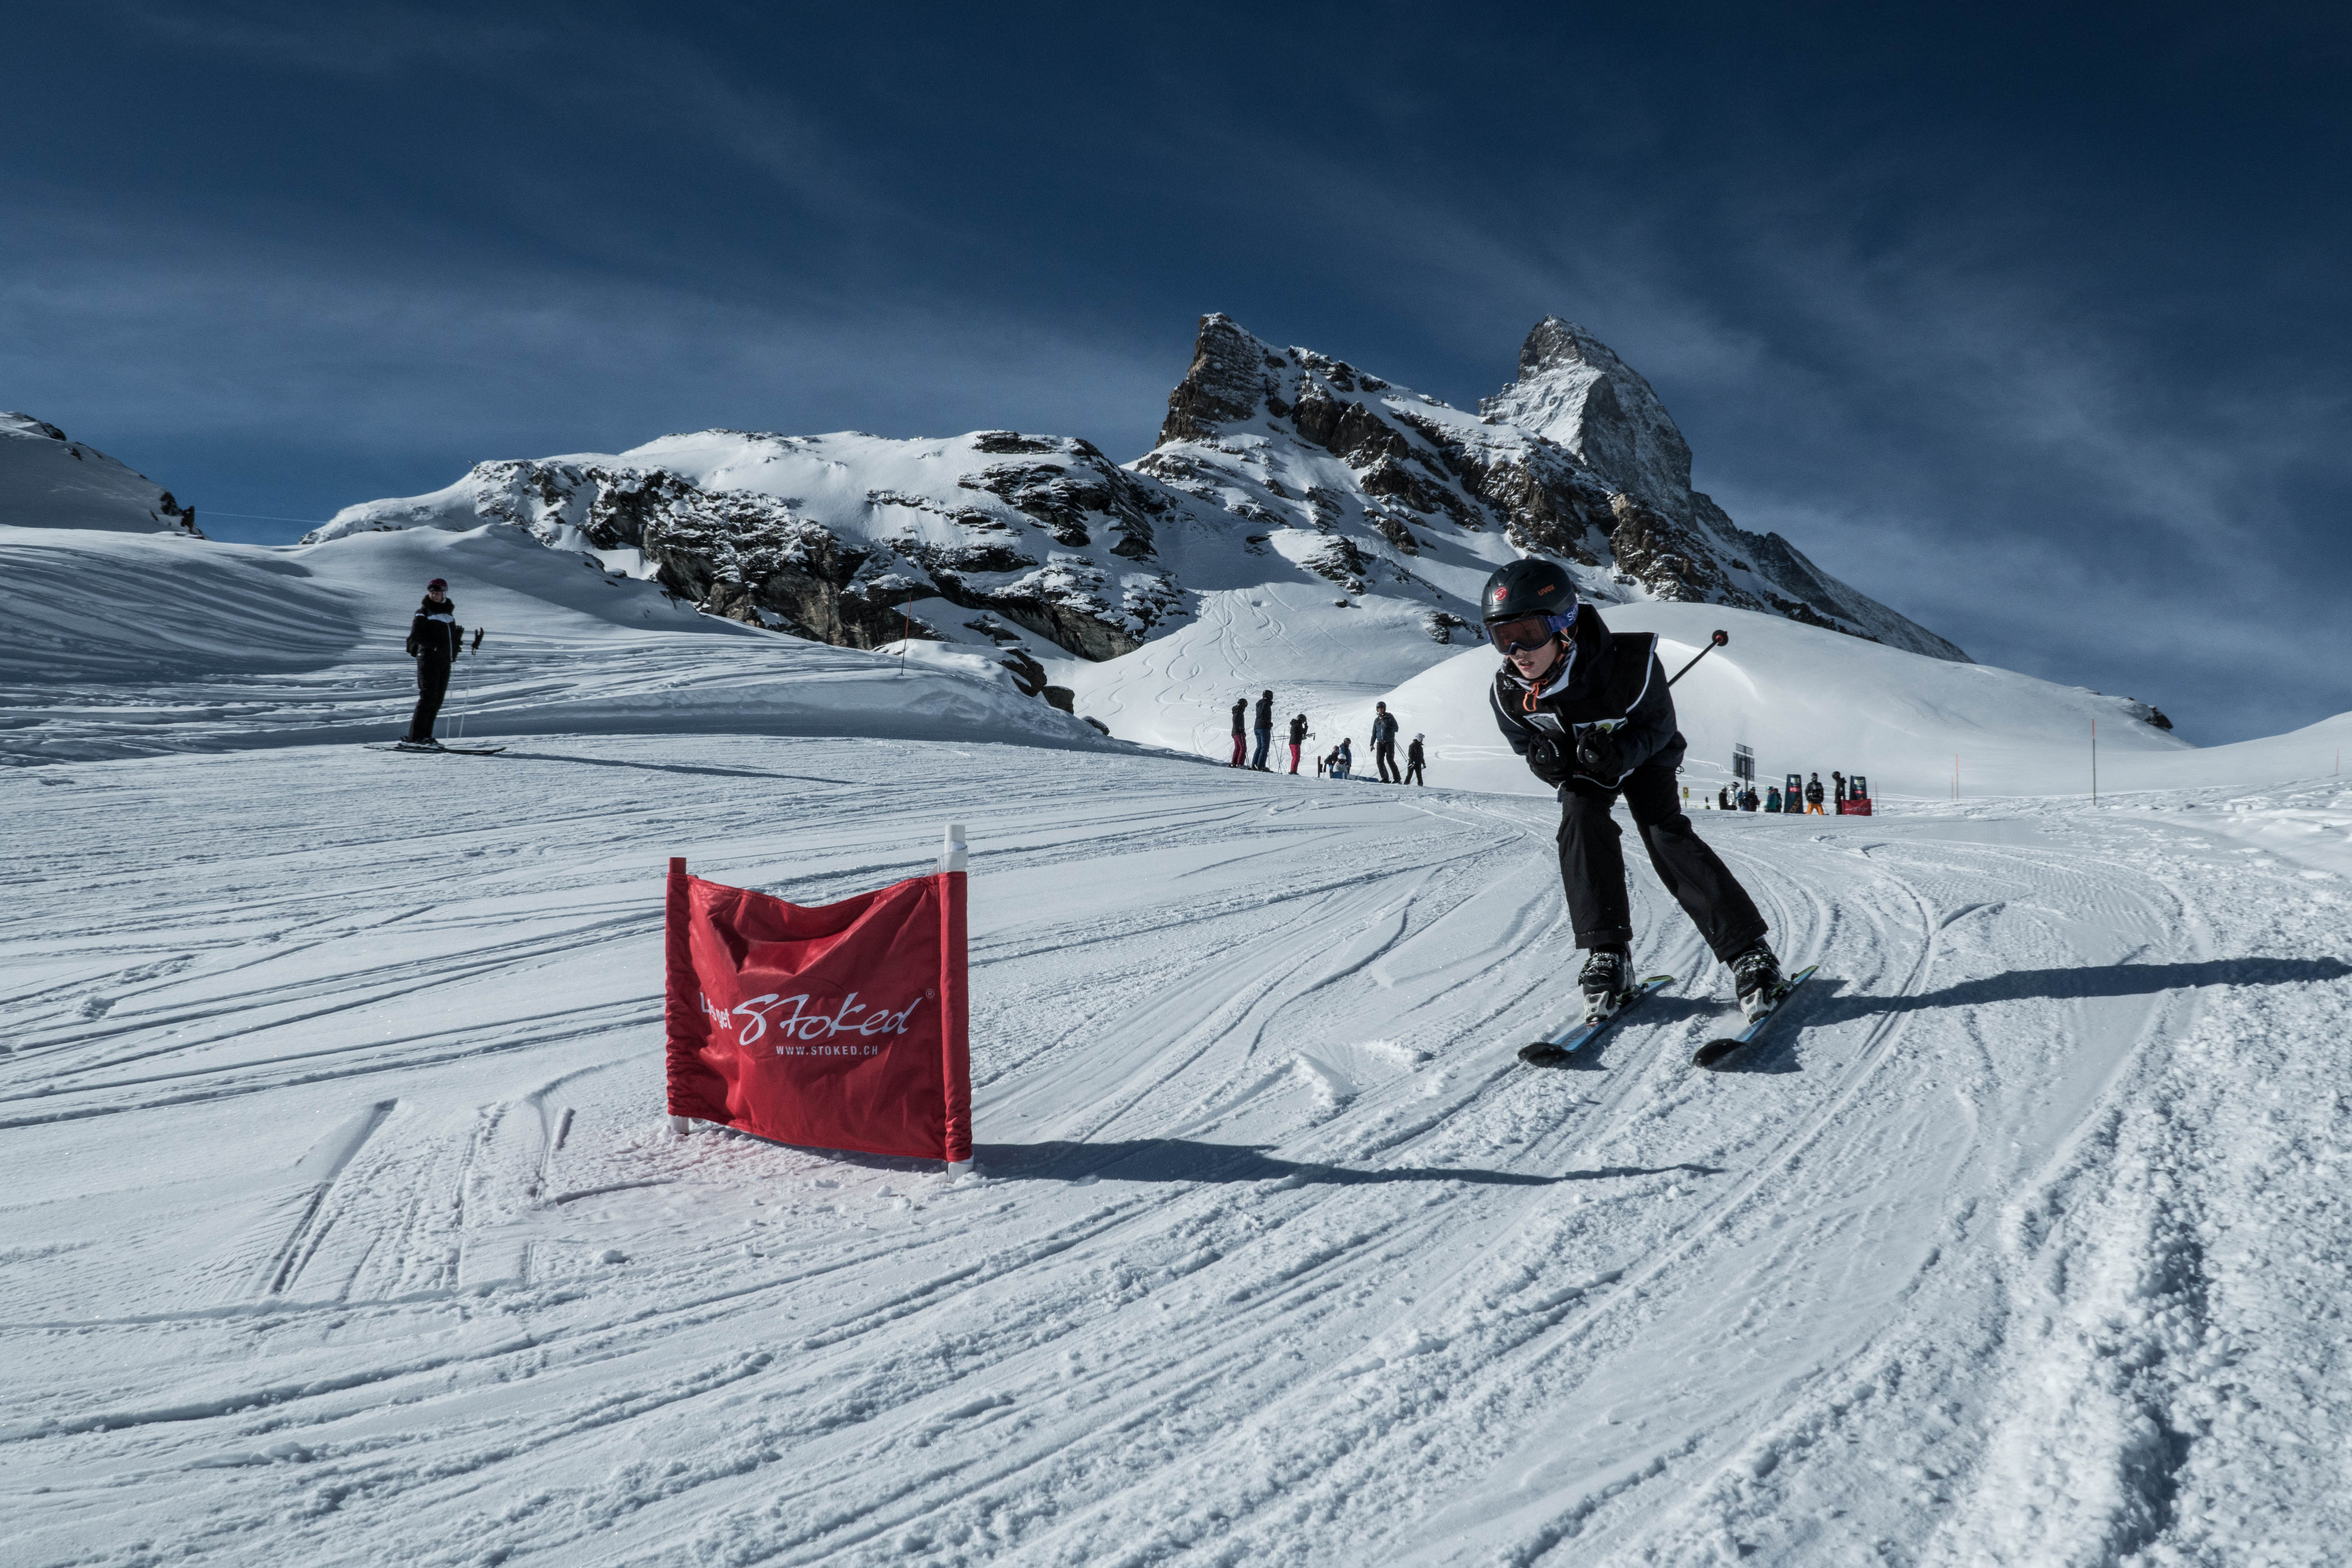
1813, 798
1299, 733
1384, 735
1772, 799
1343, 758
1412, 762
1264, 724
1723, 798
1747, 801
435, 641
1590, 711
1241, 739
1837, 780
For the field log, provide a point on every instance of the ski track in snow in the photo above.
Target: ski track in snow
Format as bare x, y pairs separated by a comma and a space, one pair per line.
342, 1226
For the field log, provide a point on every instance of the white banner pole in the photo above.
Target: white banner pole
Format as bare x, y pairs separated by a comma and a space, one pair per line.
955, 855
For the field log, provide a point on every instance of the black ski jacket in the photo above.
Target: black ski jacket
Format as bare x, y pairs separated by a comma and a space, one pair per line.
1814, 793
1610, 678
1298, 730
1240, 710
435, 634
1412, 753
1263, 716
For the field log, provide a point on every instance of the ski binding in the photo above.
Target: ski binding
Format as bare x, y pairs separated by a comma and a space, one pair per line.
1714, 1051
1557, 1049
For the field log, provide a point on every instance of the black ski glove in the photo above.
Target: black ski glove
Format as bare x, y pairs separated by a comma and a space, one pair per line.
1550, 761
1599, 753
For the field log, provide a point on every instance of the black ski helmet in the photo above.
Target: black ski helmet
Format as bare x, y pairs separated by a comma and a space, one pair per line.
1532, 586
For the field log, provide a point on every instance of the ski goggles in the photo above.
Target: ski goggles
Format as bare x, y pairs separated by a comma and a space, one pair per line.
1528, 631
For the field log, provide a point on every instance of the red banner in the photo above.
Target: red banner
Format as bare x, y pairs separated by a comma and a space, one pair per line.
842, 1027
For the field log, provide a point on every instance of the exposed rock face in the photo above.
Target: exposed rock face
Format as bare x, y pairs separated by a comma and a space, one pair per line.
1299, 440
1667, 539
1573, 389
850, 538
1270, 462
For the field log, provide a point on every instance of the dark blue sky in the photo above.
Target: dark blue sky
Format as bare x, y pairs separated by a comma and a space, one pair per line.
2030, 322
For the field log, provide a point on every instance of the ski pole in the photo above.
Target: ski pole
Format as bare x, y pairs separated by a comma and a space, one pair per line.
463, 712
1717, 641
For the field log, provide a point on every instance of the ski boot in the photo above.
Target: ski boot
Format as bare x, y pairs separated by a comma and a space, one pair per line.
1756, 976
1604, 983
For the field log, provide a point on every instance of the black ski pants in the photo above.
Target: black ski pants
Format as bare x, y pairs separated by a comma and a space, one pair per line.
1384, 758
1413, 773
432, 685
1592, 865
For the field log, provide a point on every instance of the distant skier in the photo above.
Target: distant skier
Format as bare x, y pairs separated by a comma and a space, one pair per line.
1590, 711
1813, 798
1412, 762
1299, 733
1747, 801
435, 641
1838, 781
1241, 713
1723, 798
1264, 725
1342, 758
1772, 800
1384, 735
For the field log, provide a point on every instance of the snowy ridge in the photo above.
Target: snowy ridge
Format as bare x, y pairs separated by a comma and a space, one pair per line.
1280, 472
1573, 389
852, 539
130, 647
49, 480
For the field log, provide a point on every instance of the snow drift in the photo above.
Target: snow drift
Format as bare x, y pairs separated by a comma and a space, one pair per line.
50, 480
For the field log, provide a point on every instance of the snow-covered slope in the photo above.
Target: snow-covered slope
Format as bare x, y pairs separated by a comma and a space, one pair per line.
1808, 700
994, 540
49, 480
123, 645
339, 1225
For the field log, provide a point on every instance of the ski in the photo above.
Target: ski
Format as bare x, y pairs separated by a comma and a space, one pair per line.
1714, 1051
428, 750
1558, 1048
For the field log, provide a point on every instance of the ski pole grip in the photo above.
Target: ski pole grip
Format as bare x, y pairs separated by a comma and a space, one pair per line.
1713, 641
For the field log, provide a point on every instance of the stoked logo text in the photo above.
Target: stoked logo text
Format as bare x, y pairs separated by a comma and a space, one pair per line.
791, 1020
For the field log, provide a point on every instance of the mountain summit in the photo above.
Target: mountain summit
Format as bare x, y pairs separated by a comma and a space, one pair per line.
1373, 511
1573, 389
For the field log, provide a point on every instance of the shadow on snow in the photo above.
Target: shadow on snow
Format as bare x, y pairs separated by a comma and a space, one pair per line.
2075, 985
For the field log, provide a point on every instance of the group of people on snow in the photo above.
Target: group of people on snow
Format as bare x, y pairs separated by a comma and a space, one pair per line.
1811, 800
1340, 761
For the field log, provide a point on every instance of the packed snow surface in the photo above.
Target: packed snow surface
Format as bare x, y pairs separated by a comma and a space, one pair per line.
123, 646
341, 1225
340, 1222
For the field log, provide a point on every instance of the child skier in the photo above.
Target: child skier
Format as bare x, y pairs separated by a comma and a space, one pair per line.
1590, 711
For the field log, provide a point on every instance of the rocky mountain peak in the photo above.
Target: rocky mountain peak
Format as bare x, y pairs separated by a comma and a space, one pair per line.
1573, 389
1227, 381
